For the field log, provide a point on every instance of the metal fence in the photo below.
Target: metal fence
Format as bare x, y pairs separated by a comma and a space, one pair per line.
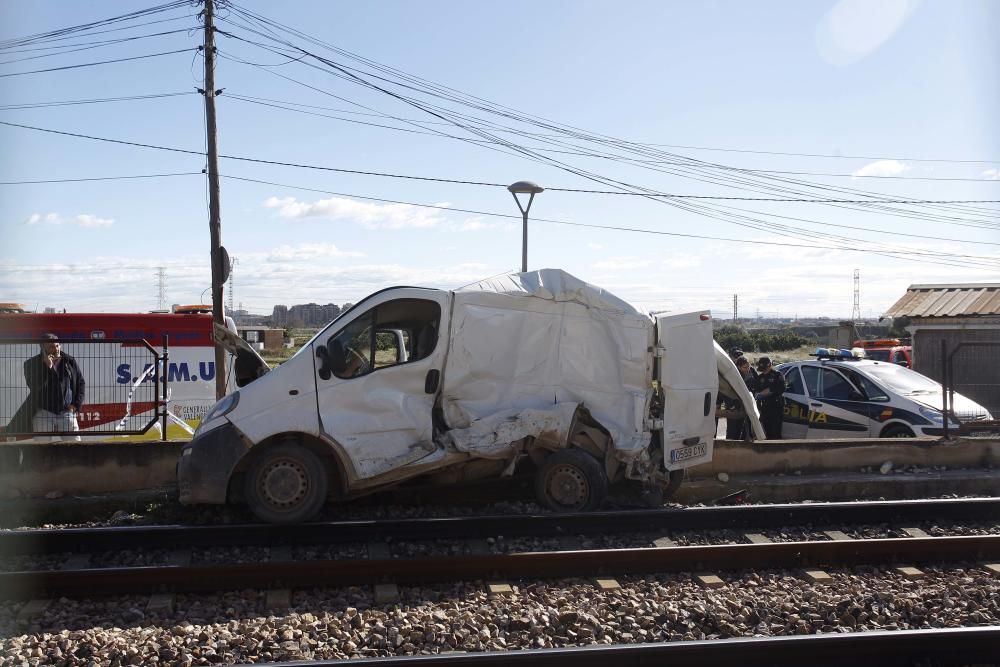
124, 386
970, 375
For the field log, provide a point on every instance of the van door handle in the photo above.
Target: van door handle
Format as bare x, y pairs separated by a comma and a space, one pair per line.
815, 405
431, 381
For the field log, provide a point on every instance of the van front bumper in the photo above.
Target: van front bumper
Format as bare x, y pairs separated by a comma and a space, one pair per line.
207, 463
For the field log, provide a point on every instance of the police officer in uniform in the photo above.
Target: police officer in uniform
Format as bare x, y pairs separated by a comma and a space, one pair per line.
770, 387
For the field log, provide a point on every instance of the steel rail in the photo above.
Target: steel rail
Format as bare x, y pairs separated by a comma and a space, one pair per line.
937, 646
551, 564
339, 532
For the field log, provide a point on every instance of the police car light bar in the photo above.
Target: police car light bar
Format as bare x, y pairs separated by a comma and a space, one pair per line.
842, 354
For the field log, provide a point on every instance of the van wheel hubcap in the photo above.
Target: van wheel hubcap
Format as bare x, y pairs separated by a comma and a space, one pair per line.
284, 483
568, 486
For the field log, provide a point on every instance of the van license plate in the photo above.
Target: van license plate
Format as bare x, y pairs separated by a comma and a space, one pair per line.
685, 453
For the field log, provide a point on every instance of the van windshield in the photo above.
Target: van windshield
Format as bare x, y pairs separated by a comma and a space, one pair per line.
903, 380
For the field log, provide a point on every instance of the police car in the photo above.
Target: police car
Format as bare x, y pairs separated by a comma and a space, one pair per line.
841, 394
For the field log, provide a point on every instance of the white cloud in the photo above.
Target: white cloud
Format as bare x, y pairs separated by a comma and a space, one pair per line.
854, 29
882, 168
371, 216
85, 220
992, 174
595, 246
305, 252
622, 263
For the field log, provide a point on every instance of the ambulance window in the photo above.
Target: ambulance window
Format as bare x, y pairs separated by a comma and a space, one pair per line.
811, 376
835, 386
794, 383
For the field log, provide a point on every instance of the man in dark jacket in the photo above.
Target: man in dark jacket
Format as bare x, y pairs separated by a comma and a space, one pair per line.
56, 391
770, 388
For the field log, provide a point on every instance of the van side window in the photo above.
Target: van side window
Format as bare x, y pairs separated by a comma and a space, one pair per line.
353, 347
393, 333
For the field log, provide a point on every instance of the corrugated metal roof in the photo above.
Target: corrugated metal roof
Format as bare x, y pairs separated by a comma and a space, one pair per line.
958, 300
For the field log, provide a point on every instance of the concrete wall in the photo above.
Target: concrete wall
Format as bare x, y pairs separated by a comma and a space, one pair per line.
63, 469
814, 456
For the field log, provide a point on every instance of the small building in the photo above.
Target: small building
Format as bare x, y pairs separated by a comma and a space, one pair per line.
954, 316
263, 338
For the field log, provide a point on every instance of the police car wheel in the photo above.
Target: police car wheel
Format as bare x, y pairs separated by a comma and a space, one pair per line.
571, 480
896, 431
286, 484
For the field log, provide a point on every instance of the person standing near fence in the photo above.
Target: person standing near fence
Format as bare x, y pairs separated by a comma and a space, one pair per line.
56, 389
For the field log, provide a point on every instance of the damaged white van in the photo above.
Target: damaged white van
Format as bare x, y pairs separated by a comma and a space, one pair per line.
460, 385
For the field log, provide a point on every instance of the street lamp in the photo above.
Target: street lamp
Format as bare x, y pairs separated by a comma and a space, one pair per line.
524, 188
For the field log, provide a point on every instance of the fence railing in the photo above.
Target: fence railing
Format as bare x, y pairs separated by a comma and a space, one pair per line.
125, 389
978, 380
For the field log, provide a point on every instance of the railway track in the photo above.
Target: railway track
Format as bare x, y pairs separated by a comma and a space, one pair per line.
745, 517
280, 569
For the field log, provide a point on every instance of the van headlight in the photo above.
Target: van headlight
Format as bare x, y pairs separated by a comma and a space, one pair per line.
222, 408
932, 414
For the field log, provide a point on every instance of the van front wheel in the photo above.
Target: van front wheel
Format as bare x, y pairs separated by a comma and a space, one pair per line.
287, 484
571, 480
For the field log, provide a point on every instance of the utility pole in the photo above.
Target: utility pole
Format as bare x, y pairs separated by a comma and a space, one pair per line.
161, 288
220, 264
856, 312
736, 308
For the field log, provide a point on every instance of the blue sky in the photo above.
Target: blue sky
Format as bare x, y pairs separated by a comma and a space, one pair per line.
892, 81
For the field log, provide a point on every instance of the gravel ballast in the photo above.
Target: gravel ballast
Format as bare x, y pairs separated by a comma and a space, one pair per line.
346, 622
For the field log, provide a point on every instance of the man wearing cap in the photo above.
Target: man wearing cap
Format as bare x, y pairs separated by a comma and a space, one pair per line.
770, 387
56, 389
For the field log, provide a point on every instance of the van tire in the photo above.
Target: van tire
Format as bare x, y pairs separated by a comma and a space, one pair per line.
286, 484
571, 480
896, 431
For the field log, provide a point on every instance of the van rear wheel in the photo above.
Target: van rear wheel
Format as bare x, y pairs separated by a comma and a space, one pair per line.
287, 484
571, 480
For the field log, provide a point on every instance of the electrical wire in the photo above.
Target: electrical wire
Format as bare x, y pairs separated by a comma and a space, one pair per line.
94, 45
100, 100
101, 62
102, 178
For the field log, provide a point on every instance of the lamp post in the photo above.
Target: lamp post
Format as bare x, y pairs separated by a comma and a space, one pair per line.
524, 188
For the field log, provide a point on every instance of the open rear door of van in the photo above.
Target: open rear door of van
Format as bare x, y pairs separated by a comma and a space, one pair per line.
688, 373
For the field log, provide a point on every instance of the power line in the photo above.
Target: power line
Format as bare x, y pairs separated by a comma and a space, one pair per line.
103, 178
484, 183
561, 222
97, 100
86, 46
101, 62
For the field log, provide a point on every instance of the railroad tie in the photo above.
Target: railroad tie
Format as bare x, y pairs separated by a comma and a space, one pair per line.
32, 609
279, 598
607, 584
664, 543
386, 593
568, 542
379, 551
837, 536
757, 538
710, 580
77, 562
910, 572
499, 588
915, 532
179, 557
477, 546
993, 567
160, 603
817, 576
